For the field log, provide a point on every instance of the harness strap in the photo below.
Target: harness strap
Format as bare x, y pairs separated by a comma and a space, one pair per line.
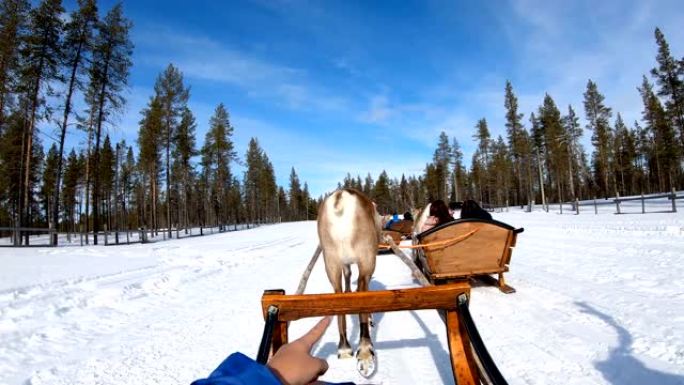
445, 243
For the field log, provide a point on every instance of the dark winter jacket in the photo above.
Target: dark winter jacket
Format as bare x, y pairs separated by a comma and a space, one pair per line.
471, 209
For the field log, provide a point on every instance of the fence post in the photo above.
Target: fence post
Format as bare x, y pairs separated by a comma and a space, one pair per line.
106, 234
560, 203
576, 206
595, 208
674, 200
617, 201
80, 233
643, 203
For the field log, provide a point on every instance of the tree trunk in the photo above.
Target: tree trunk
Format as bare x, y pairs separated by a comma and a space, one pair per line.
571, 181
29, 151
96, 160
62, 136
116, 196
168, 176
87, 183
541, 181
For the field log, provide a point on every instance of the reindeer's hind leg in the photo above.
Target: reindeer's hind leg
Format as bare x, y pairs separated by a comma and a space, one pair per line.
346, 270
365, 355
344, 350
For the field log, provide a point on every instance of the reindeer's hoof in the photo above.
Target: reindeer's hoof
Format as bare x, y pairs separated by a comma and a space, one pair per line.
366, 366
344, 352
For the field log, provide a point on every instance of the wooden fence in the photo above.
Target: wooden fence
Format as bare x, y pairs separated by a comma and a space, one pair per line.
42, 237
618, 201
22, 236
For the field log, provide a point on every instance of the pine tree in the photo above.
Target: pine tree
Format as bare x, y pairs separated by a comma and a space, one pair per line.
669, 76
10, 174
483, 151
173, 96
442, 157
251, 181
556, 146
405, 199
217, 153
539, 146
307, 201
642, 147
573, 133
149, 160
458, 171
597, 115
282, 203
129, 180
269, 189
72, 177
514, 129
40, 56
295, 196
77, 42
106, 175
501, 167
13, 24
368, 184
664, 150
381, 194
48, 180
184, 150
112, 52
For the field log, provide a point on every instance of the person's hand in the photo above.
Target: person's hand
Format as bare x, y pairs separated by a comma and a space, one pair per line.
293, 363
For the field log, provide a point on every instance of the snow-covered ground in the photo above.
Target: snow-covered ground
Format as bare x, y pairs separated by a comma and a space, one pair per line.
600, 300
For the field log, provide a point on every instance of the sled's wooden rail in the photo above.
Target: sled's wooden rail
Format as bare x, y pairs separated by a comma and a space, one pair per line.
279, 308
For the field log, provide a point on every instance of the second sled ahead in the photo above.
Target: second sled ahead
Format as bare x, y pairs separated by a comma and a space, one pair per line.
467, 248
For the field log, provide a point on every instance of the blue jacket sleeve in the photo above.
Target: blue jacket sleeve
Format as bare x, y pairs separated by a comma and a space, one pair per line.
239, 369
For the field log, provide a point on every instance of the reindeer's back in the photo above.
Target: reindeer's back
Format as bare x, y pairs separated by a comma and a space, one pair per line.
347, 226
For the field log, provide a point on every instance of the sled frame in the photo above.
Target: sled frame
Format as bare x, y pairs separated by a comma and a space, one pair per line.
279, 309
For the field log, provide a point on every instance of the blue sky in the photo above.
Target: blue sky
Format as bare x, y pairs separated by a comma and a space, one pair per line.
331, 87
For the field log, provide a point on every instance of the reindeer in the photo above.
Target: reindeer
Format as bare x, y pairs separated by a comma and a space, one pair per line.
419, 220
349, 230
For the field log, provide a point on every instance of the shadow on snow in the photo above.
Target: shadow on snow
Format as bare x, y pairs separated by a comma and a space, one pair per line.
620, 367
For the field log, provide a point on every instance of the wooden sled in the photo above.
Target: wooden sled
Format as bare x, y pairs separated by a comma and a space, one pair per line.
398, 231
481, 247
470, 361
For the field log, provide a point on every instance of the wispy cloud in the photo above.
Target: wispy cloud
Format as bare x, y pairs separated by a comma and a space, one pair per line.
378, 111
202, 58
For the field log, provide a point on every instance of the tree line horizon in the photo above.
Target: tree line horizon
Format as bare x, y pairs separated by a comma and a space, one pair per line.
48, 60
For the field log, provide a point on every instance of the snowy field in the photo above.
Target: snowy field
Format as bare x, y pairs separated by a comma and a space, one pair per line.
600, 300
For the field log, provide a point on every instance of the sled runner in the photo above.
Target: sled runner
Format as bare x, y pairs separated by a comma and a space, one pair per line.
480, 247
470, 361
